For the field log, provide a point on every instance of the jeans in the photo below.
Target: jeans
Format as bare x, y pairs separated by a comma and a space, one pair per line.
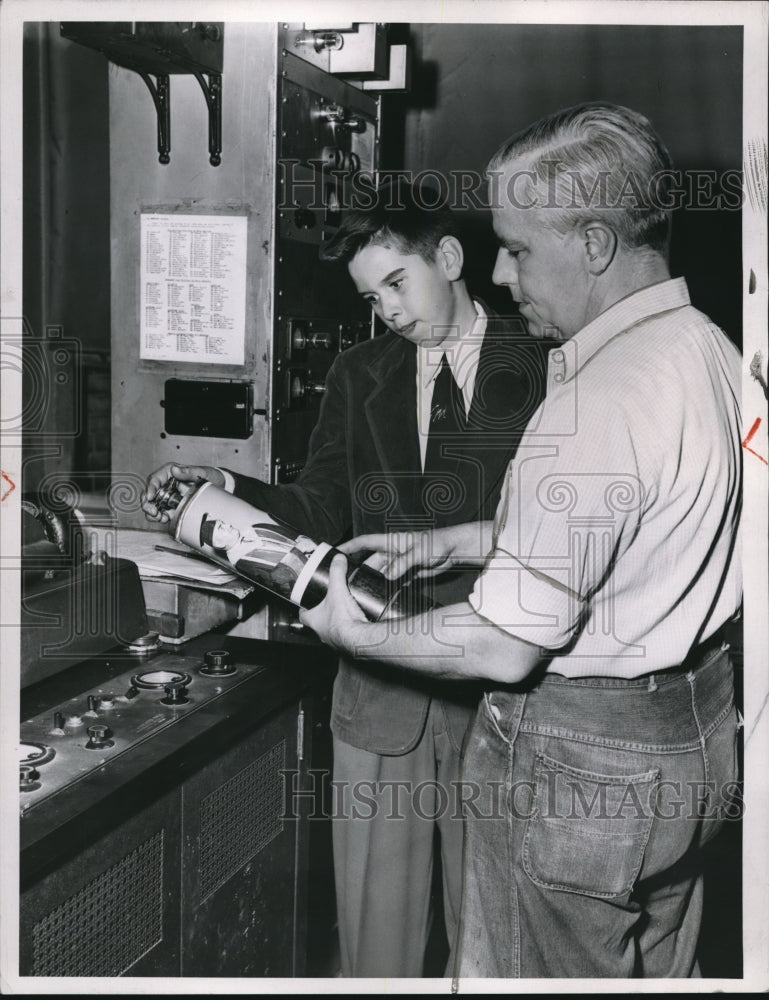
593, 799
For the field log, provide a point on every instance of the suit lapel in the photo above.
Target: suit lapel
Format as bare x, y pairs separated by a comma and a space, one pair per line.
504, 397
391, 408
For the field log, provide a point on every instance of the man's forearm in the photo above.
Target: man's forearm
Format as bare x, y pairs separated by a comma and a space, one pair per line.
453, 643
471, 543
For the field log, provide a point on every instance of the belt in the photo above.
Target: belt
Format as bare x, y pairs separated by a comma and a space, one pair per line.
697, 657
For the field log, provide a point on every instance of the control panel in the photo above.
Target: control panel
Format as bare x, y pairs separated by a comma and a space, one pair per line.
305, 350
90, 731
157, 832
328, 149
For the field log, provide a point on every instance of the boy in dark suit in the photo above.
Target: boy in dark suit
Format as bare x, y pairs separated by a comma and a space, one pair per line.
416, 430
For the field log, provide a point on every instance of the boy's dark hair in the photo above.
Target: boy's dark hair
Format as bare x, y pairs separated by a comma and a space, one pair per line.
397, 214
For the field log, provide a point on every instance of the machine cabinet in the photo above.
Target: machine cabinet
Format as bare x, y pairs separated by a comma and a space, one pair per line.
189, 859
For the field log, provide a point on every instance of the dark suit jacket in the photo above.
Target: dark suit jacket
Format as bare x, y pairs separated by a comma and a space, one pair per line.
363, 474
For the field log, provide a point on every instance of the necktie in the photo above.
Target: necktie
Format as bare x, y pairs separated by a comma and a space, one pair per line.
447, 418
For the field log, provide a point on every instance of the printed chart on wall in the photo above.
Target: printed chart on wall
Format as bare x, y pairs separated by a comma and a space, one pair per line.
193, 288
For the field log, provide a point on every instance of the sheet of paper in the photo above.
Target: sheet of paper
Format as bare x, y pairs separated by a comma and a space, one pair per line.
193, 288
155, 564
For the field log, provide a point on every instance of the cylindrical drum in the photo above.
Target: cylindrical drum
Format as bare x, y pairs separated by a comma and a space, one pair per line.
234, 534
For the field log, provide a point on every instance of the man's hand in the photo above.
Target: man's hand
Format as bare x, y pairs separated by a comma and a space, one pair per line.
453, 643
188, 477
426, 552
337, 620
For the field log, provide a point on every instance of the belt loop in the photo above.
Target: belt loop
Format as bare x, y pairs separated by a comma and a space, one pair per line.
508, 717
652, 683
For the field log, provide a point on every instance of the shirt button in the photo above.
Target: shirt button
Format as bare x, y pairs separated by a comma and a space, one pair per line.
495, 711
558, 356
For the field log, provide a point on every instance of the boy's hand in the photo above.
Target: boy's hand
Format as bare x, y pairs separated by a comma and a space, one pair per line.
188, 477
398, 552
337, 619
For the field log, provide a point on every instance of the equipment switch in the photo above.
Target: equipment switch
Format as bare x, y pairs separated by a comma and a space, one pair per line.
99, 737
176, 693
218, 663
28, 778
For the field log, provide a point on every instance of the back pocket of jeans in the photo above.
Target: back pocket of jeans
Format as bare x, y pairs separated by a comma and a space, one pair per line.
587, 832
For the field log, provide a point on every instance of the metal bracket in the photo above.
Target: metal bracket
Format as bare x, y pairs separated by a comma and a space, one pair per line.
161, 96
212, 91
155, 49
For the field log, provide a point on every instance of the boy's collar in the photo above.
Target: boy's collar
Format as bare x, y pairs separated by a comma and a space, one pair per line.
462, 351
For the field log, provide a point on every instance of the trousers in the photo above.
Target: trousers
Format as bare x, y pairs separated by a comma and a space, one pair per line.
383, 828
592, 800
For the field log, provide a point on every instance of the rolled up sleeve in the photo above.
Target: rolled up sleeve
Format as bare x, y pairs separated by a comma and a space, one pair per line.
570, 504
540, 609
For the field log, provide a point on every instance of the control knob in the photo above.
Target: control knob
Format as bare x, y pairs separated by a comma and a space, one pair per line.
314, 388
322, 341
298, 338
176, 692
320, 40
99, 737
218, 663
300, 386
28, 778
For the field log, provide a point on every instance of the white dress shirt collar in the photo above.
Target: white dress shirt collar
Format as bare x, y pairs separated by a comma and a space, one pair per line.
462, 349
568, 358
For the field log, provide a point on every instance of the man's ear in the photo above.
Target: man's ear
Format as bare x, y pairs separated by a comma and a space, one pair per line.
600, 242
451, 257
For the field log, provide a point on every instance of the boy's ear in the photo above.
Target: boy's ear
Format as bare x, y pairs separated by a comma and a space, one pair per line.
451, 257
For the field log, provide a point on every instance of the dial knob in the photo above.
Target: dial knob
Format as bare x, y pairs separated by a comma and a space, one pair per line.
322, 341
176, 693
218, 663
298, 338
28, 778
98, 737
217, 658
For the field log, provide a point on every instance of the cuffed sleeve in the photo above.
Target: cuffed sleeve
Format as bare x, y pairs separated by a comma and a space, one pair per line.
229, 481
539, 608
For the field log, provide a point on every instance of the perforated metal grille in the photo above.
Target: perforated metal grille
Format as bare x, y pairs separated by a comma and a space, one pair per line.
110, 923
239, 818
